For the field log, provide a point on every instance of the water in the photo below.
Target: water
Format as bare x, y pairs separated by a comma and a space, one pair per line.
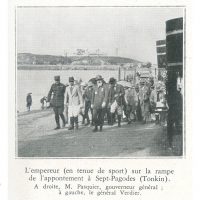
39, 82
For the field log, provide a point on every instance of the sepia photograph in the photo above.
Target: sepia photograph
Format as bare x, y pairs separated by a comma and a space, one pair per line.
100, 82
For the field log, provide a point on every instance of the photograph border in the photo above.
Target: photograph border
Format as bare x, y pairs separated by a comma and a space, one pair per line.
183, 156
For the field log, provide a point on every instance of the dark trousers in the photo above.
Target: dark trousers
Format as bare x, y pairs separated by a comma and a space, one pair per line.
108, 114
59, 112
139, 112
87, 108
98, 116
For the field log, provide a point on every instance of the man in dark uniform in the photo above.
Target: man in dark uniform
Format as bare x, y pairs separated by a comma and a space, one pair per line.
57, 101
116, 100
99, 100
87, 96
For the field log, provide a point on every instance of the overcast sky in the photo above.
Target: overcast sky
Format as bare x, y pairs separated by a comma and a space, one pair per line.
133, 31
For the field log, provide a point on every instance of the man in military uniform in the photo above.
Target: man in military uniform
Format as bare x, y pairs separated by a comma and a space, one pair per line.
99, 100
57, 101
116, 100
74, 102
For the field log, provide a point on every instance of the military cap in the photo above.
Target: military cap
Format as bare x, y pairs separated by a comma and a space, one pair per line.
71, 79
57, 78
98, 77
112, 80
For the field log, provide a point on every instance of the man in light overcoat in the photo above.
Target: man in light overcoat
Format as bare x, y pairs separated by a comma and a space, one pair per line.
74, 102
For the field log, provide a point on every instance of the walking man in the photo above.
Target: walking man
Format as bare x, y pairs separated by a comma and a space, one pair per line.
57, 101
74, 102
88, 98
131, 102
99, 100
116, 100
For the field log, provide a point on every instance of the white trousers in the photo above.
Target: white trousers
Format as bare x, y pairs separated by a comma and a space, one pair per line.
73, 111
115, 107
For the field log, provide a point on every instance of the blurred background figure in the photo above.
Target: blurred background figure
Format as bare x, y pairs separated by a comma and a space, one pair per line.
131, 104
43, 102
153, 101
145, 102
138, 103
29, 101
83, 86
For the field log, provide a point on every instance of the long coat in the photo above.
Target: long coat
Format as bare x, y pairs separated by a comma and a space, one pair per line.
73, 98
131, 98
58, 91
145, 101
88, 94
116, 93
100, 95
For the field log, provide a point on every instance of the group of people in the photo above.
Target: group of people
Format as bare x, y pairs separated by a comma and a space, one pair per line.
98, 101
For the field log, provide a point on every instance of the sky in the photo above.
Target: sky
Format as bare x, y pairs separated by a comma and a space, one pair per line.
56, 30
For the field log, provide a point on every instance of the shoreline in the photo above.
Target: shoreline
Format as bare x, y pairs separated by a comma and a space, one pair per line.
24, 113
68, 67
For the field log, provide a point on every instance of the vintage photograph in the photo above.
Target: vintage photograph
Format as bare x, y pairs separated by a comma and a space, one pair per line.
100, 82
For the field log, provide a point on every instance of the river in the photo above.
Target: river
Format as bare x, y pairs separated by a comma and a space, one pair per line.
38, 82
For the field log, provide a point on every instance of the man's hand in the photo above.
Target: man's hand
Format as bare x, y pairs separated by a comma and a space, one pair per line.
48, 104
116, 95
103, 104
92, 105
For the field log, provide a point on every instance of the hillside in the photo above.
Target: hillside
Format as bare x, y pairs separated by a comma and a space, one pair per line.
35, 59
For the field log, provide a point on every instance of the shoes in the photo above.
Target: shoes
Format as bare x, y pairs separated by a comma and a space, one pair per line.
71, 128
58, 127
63, 125
101, 128
87, 123
95, 129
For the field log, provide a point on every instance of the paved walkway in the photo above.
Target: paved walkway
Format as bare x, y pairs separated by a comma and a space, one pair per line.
36, 138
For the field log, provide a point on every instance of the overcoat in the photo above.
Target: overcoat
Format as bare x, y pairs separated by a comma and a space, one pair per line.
100, 95
73, 97
58, 91
116, 93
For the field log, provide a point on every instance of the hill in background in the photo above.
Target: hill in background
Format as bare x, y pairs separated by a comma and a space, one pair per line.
35, 59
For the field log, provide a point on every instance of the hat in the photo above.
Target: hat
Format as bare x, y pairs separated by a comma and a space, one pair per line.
71, 79
112, 80
57, 78
98, 77
137, 86
84, 84
90, 84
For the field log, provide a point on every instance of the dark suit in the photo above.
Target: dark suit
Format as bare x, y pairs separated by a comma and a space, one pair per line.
100, 95
116, 101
